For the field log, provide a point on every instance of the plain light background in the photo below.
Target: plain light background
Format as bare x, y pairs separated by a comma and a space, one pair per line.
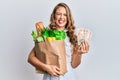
18, 18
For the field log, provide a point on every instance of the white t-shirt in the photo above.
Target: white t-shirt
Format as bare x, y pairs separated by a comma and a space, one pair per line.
68, 50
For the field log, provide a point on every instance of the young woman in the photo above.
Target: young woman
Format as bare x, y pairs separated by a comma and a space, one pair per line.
61, 19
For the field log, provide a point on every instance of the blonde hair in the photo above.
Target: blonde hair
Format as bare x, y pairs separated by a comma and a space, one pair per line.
69, 26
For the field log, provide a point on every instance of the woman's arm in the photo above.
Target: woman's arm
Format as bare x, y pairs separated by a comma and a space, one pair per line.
77, 53
51, 69
34, 61
76, 60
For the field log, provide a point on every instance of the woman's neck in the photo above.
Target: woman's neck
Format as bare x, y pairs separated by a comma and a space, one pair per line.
60, 28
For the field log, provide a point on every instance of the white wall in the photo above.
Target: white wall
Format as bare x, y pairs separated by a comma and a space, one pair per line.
17, 19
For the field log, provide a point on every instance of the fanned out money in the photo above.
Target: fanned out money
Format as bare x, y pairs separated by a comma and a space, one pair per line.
83, 34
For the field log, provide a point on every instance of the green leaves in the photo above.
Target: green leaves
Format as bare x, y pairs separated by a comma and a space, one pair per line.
34, 35
57, 34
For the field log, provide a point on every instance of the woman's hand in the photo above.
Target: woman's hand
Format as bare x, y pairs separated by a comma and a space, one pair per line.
83, 47
77, 53
52, 70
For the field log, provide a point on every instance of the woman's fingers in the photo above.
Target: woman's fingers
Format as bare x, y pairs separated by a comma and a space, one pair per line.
87, 46
84, 47
58, 69
55, 71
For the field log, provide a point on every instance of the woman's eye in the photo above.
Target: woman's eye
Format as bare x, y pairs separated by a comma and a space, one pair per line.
58, 13
65, 14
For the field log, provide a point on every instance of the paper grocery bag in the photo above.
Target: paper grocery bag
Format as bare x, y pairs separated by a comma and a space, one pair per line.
52, 53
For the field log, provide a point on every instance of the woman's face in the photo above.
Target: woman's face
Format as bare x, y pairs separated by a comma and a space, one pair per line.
60, 18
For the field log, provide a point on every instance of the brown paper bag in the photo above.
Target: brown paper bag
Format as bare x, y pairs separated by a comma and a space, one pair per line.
52, 53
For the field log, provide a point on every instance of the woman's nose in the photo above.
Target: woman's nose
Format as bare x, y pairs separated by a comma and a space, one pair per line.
61, 16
